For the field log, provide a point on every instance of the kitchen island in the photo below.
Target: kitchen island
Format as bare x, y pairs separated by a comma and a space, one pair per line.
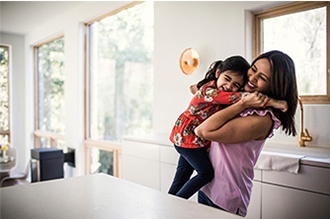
98, 196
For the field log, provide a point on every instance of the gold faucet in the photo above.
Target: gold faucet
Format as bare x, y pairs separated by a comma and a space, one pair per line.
303, 136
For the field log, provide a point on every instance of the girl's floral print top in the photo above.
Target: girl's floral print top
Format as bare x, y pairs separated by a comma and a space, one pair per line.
207, 100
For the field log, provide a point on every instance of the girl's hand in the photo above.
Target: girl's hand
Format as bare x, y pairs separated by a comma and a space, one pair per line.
258, 100
255, 100
193, 88
279, 104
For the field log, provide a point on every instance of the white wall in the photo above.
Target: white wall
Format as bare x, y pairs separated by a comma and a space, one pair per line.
215, 29
179, 25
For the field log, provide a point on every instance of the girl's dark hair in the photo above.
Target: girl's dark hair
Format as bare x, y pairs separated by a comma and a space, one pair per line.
283, 86
234, 63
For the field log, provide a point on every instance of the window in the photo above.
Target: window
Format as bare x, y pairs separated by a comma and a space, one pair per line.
4, 95
50, 105
102, 158
300, 30
119, 80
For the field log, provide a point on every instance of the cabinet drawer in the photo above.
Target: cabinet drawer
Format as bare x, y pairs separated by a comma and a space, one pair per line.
141, 171
167, 172
169, 155
141, 150
257, 175
316, 179
280, 202
254, 208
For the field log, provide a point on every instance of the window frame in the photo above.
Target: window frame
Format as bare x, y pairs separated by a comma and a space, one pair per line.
88, 142
8, 132
289, 9
52, 137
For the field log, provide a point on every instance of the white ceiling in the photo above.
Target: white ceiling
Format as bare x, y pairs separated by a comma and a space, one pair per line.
22, 17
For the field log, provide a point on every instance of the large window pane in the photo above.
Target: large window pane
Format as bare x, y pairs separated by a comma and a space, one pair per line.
120, 74
301, 35
50, 103
4, 94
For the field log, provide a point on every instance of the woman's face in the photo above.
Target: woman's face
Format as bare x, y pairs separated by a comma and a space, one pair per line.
259, 76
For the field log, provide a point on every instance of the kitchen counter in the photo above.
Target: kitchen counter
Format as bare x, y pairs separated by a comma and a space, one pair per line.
98, 196
161, 139
313, 157
286, 178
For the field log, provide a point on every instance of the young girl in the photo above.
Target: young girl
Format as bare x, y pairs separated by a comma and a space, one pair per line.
218, 89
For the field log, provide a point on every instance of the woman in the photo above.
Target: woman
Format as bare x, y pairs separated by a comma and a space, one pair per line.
238, 140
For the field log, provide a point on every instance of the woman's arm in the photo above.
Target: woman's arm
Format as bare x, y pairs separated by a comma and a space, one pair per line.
224, 127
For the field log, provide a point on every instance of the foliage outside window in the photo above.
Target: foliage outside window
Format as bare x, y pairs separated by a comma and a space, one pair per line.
4, 95
50, 109
120, 75
300, 30
101, 159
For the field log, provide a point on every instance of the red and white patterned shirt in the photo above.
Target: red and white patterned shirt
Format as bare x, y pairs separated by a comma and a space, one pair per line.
207, 100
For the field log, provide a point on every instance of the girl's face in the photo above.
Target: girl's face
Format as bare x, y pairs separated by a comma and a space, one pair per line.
229, 81
259, 76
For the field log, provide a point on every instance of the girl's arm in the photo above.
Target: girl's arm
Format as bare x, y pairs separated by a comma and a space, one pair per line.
270, 102
225, 127
278, 104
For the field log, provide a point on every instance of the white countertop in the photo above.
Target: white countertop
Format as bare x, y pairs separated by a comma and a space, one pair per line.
161, 139
98, 196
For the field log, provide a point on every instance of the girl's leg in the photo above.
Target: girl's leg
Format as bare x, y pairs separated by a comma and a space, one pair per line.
199, 160
182, 175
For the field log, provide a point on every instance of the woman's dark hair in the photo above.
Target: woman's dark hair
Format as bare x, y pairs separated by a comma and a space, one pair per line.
234, 63
283, 86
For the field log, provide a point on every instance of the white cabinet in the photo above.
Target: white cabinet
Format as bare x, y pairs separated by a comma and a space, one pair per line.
284, 195
274, 195
303, 195
288, 203
141, 163
254, 209
167, 172
310, 178
168, 163
149, 164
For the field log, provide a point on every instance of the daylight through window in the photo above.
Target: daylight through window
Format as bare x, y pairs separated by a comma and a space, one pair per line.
50, 91
302, 34
4, 95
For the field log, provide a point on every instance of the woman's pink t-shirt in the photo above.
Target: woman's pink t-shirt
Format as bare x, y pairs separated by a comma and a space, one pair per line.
233, 168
